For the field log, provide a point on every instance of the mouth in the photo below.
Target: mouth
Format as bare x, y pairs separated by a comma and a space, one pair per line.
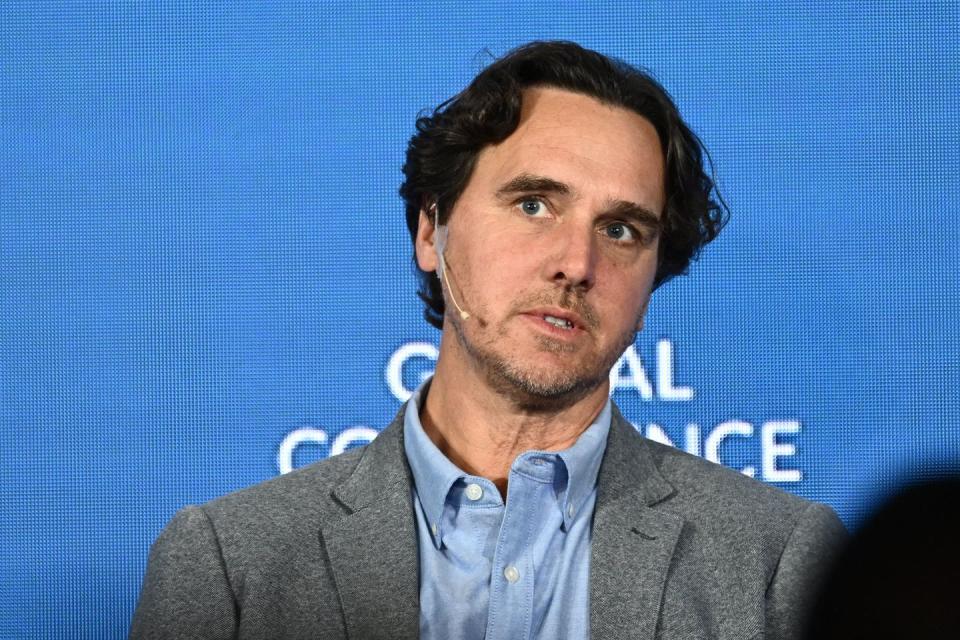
557, 321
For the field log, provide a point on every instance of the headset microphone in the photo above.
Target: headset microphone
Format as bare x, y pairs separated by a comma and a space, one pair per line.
441, 242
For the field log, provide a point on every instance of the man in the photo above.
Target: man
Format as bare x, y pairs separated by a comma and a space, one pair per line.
509, 498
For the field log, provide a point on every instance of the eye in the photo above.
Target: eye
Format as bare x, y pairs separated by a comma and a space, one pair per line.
532, 207
621, 232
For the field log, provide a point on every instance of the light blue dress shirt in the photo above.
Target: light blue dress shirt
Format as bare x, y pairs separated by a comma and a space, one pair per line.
505, 571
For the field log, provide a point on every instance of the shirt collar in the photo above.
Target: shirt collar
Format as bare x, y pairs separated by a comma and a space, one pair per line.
434, 474
582, 461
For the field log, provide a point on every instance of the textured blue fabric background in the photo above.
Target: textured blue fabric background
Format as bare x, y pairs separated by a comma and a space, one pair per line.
205, 275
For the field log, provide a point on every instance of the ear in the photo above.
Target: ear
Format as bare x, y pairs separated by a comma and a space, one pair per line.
425, 246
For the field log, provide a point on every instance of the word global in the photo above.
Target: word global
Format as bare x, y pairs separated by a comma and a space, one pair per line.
412, 362
628, 373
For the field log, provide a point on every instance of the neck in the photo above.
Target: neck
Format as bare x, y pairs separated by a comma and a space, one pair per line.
482, 431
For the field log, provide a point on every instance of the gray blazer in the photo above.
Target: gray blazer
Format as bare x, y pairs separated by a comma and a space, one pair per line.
681, 548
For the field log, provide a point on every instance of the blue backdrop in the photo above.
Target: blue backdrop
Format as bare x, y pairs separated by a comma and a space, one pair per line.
205, 277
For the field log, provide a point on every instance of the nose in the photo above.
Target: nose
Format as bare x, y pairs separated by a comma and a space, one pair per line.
573, 259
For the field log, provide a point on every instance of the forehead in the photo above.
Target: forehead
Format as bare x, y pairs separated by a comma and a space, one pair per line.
598, 149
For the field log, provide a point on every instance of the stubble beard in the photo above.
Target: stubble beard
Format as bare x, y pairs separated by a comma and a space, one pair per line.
535, 388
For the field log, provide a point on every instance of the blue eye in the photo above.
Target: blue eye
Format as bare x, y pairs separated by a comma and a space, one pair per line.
619, 231
532, 207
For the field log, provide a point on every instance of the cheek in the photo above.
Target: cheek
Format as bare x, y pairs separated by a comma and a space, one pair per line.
645, 270
498, 251
627, 291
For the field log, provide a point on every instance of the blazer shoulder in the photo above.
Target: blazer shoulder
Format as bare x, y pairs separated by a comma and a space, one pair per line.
731, 509
262, 551
298, 503
247, 564
708, 483
310, 481
286, 502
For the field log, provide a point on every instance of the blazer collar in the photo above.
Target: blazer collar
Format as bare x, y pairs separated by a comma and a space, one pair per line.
381, 472
633, 543
372, 549
628, 470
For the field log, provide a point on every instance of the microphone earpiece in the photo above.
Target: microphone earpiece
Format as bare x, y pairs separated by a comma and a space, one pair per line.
440, 233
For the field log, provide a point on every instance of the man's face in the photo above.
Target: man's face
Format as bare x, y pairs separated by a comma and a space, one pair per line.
552, 247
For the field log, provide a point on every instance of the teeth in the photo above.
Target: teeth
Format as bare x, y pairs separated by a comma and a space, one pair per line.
559, 322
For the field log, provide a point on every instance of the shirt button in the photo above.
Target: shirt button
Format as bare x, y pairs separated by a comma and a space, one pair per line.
571, 510
474, 492
434, 528
511, 574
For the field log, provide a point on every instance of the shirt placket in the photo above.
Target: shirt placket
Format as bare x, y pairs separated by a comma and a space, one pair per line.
512, 580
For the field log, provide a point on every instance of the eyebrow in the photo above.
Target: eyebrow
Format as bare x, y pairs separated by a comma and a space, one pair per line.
630, 211
527, 182
637, 214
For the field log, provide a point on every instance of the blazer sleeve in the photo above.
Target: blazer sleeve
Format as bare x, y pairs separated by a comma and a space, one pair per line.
186, 592
804, 563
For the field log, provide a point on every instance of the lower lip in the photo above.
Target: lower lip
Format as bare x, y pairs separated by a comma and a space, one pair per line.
553, 330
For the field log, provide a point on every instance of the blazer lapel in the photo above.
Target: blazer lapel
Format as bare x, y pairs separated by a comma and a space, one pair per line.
372, 549
632, 543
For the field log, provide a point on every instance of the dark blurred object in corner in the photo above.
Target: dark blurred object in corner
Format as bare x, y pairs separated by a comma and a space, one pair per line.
899, 576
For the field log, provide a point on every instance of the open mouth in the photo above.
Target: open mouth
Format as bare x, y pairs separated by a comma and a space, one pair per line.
560, 323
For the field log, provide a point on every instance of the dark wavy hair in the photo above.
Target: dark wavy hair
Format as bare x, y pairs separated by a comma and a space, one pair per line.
442, 153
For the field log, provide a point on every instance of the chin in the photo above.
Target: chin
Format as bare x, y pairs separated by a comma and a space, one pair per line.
537, 388
544, 375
